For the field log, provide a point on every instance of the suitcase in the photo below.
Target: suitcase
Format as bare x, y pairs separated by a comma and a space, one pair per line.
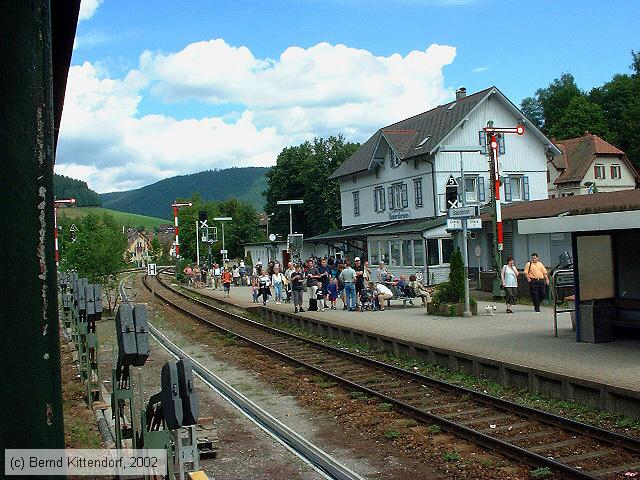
313, 305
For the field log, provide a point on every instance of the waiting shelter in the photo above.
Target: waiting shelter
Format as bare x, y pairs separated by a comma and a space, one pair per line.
606, 246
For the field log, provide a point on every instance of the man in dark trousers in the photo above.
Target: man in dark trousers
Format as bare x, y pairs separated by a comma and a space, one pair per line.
359, 268
538, 279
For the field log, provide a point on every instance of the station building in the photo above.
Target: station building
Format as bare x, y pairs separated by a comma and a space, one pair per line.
392, 190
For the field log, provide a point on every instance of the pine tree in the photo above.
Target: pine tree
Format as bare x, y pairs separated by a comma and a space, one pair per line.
456, 277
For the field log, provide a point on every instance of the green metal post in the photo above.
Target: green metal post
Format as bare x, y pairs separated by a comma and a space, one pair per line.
30, 376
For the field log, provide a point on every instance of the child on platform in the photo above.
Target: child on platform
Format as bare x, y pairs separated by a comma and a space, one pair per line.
255, 290
333, 292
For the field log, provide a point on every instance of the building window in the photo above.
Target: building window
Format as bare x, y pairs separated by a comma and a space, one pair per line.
417, 186
356, 204
418, 253
616, 172
379, 201
394, 161
471, 189
397, 196
407, 253
447, 250
598, 171
439, 251
516, 188
394, 254
483, 143
374, 252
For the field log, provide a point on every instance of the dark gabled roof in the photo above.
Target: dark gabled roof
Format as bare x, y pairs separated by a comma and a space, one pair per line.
417, 225
579, 153
604, 202
406, 136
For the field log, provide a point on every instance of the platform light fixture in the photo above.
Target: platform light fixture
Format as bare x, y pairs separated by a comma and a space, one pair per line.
223, 251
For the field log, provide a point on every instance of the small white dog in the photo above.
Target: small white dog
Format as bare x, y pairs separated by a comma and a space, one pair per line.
489, 309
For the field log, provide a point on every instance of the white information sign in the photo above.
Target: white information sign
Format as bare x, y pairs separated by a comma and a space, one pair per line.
454, 224
474, 223
462, 212
151, 269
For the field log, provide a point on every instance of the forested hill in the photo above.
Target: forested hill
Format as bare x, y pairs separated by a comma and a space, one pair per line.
66, 187
246, 184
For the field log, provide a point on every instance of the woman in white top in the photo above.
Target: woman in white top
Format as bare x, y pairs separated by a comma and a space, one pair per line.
509, 277
277, 279
236, 275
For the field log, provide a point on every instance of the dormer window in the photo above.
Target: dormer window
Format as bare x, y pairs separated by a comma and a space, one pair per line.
394, 161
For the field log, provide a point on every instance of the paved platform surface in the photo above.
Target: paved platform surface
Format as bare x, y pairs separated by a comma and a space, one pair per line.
523, 338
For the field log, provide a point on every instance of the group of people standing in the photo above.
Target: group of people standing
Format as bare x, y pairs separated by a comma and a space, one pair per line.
216, 276
326, 280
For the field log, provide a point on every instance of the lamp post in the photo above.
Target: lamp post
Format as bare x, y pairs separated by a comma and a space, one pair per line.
290, 203
268, 216
56, 204
176, 208
223, 251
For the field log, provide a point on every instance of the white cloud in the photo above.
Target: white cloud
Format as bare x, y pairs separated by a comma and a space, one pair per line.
88, 8
305, 92
479, 69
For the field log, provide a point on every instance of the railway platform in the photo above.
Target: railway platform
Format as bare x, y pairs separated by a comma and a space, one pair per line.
516, 349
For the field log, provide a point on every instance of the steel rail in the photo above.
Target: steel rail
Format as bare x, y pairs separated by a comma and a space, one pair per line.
311, 454
487, 441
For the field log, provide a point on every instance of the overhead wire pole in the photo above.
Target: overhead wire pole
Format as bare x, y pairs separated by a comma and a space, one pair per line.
56, 204
224, 250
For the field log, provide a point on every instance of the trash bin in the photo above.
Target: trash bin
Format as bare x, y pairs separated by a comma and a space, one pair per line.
596, 321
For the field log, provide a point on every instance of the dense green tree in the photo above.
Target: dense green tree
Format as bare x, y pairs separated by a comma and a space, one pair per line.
97, 253
301, 173
611, 110
244, 228
547, 106
620, 101
456, 277
579, 117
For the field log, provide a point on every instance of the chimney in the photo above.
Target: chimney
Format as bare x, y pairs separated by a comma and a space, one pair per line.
461, 93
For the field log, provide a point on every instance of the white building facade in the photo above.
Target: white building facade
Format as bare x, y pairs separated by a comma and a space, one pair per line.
393, 188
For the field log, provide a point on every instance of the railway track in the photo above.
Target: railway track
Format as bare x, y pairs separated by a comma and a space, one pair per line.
567, 447
322, 462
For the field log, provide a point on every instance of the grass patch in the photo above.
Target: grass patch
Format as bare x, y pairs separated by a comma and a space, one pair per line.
542, 472
434, 429
323, 383
357, 394
451, 457
385, 407
392, 434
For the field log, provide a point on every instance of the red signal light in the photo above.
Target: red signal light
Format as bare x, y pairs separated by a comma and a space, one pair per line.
520, 129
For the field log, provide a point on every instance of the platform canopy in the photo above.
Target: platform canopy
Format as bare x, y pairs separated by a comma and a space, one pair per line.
581, 223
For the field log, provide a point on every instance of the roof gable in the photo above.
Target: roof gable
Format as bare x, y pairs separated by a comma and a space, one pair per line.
422, 134
579, 153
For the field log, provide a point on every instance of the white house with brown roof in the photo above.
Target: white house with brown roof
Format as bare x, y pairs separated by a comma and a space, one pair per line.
393, 187
589, 164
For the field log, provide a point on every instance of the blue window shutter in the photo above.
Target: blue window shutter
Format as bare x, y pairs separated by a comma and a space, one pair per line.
481, 194
501, 149
404, 196
375, 200
525, 187
482, 138
383, 200
390, 197
460, 189
507, 189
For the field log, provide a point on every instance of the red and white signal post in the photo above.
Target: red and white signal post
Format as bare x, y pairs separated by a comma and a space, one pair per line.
492, 134
56, 204
176, 208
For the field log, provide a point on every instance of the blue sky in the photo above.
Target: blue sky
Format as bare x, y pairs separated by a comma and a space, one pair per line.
188, 93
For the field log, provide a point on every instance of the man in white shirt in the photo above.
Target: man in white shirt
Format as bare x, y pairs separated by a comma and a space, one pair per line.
382, 293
